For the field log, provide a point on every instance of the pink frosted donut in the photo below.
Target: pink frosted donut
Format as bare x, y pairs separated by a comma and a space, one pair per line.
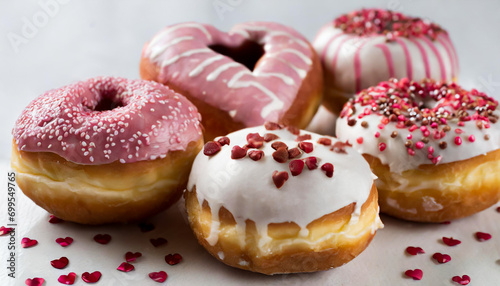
362, 48
254, 73
106, 149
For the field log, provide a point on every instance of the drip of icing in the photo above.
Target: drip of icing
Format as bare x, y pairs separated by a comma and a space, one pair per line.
246, 189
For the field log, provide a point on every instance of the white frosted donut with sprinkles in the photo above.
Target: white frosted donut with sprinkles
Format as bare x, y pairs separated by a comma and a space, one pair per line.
257, 71
97, 151
364, 47
434, 147
280, 200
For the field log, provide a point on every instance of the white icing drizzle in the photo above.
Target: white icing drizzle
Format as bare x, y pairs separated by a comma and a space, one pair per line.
158, 50
185, 54
213, 75
286, 79
160, 36
196, 71
246, 189
303, 57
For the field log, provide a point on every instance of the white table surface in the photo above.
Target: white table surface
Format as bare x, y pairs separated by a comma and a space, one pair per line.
83, 39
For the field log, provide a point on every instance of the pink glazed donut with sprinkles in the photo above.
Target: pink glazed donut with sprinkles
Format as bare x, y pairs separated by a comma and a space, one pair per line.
254, 73
362, 48
106, 150
434, 147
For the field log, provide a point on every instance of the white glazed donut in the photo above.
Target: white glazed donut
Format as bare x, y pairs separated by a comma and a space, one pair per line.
433, 146
275, 200
362, 48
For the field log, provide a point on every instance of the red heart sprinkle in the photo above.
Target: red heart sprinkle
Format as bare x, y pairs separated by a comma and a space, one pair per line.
306, 146
464, 280
311, 163
270, 137
91, 277
294, 152
26, 242
296, 167
54, 219
498, 209
131, 256
255, 137
146, 227
325, 141
60, 263
253, 143
294, 130
450, 241
414, 250
280, 155
441, 258
5, 230
482, 236
173, 259
224, 141
102, 238
211, 148
125, 267
34, 282
328, 169
158, 276
237, 152
256, 155
279, 178
279, 145
156, 242
272, 126
446, 222
64, 241
339, 147
303, 137
67, 279
415, 274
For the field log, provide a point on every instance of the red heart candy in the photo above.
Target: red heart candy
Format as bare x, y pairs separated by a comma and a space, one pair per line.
415, 274
464, 280
91, 277
328, 169
279, 178
67, 279
102, 238
125, 267
237, 152
311, 163
34, 282
146, 227
173, 259
441, 258
5, 230
26, 242
64, 241
156, 242
450, 241
211, 148
130, 256
306, 146
482, 236
54, 219
158, 276
60, 263
414, 250
296, 167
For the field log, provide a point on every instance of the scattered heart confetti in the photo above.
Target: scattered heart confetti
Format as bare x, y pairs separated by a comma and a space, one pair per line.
91, 277
34, 282
411, 250
173, 259
5, 230
60, 263
416, 274
64, 241
130, 256
102, 238
67, 279
157, 242
446, 222
450, 241
498, 209
158, 276
26, 242
54, 219
464, 280
125, 267
441, 258
482, 236
146, 227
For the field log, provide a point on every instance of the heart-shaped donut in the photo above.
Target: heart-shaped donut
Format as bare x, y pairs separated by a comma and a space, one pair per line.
256, 72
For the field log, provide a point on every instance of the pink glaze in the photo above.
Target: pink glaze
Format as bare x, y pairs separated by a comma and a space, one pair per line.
184, 60
357, 65
438, 56
150, 121
425, 58
409, 65
388, 58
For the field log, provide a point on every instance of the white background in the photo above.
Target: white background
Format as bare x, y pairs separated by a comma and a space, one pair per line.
83, 39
